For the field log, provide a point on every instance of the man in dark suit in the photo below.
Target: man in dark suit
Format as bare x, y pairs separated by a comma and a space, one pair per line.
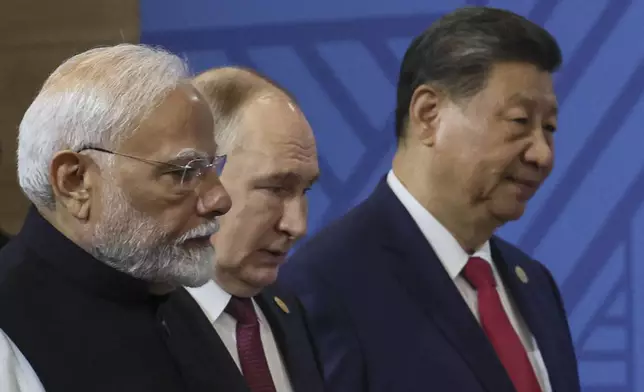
262, 341
117, 223
411, 291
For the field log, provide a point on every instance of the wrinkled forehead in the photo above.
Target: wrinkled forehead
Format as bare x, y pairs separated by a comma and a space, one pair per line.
294, 152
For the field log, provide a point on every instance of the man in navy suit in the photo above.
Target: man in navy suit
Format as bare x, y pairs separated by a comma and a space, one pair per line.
411, 291
255, 332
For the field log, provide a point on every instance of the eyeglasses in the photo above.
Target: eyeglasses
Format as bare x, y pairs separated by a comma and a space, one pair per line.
187, 175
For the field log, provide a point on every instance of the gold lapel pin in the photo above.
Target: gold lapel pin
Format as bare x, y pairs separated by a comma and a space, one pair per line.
523, 277
281, 304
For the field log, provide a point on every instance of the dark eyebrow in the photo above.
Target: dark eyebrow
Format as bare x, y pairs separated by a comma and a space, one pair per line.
555, 110
529, 100
314, 179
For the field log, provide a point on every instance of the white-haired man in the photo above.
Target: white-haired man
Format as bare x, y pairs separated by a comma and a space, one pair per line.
117, 155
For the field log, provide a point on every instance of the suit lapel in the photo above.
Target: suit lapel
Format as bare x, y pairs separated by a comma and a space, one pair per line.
283, 319
529, 301
207, 353
277, 319
421, 273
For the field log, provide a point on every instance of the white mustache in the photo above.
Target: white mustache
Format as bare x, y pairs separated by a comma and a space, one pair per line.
205, 230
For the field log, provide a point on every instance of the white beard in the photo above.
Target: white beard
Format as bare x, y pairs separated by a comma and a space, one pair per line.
133, 243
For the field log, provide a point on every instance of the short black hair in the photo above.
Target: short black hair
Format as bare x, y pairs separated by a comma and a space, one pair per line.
457, 52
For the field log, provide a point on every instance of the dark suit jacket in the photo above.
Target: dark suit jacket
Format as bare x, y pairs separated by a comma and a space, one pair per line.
387, 317
84, 326
289, 329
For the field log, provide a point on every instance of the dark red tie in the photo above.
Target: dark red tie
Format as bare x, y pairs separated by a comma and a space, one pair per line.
249, 345
497, 327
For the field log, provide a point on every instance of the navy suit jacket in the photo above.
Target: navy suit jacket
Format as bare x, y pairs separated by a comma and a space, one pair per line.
387, 317
289, 329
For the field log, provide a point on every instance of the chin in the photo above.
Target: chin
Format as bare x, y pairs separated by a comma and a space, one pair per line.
262, 277
509, 213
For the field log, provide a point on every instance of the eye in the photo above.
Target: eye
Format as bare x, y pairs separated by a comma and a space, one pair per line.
274, 190
307, 190
176, 173
190, 174
520, 120
550, 128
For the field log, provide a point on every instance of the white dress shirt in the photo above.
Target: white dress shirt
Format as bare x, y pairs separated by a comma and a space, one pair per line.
213, 300
16, 374
454, 257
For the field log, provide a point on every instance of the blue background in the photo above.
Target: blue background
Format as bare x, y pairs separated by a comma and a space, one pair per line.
341, 59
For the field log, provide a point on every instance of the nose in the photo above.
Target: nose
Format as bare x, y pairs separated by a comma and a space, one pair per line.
214, 199
293, 221
541, 151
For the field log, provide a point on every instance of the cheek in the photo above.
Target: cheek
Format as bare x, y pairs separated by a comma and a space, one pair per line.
99, 207
251, 218
260, 211
480, 173
492, 170
172, 218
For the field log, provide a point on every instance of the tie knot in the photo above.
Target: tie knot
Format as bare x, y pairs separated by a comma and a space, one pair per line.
479, 273
242, 310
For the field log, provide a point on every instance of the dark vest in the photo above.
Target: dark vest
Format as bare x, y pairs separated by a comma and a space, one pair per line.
84, 326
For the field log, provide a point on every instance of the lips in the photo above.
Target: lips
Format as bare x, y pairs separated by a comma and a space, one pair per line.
528, 183
201, 240
273, 257
526, 187
276, 253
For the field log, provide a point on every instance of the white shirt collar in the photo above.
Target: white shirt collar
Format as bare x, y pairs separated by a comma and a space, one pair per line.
447, 249
211, 298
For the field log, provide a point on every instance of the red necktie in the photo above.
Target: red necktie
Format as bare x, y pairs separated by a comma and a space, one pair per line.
498, 328
249, 345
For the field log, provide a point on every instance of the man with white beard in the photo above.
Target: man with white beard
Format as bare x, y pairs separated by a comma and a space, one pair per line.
117, 156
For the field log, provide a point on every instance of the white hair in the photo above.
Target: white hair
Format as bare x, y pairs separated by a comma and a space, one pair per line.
96, 98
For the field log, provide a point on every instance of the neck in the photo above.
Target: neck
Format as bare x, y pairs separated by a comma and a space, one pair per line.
469, 227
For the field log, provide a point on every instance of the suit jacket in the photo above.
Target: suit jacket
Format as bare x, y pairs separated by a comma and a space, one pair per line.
387, 317
290, 330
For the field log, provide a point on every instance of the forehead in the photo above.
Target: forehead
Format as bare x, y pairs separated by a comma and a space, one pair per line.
182, 121
518, 83
276, 137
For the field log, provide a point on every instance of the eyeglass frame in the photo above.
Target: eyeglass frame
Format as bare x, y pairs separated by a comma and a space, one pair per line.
215, 161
